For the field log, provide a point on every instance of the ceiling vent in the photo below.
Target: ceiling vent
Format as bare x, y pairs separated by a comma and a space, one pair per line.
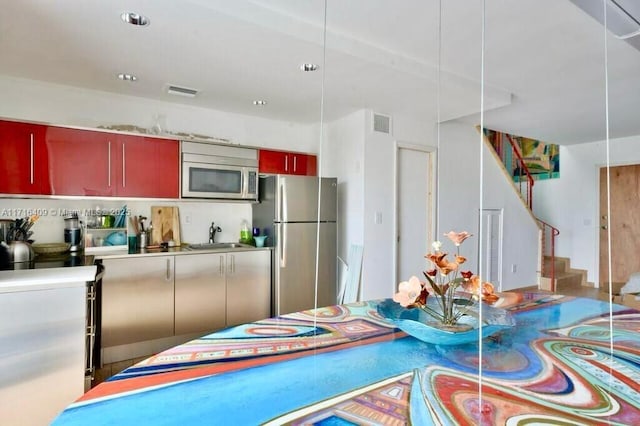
381, 123
181, 91
623, 17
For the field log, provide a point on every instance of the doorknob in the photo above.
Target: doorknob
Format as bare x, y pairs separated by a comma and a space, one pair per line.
603, 227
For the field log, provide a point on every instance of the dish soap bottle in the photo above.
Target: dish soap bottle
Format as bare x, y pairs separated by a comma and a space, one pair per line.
245, 232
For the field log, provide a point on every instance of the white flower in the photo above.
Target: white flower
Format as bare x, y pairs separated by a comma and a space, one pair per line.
437, 245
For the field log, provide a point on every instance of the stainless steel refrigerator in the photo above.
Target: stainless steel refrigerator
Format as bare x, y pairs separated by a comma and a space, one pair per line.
288, 214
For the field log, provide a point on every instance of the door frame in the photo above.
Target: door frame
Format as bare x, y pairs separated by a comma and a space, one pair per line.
484, 234
431, 216
596, 260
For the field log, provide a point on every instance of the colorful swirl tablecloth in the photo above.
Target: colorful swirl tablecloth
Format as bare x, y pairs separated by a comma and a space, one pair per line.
345, 364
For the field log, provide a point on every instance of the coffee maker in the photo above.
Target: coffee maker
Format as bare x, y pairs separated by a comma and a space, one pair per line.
73, 232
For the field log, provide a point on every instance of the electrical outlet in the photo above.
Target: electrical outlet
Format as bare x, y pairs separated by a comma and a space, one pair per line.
514, 268
187, 219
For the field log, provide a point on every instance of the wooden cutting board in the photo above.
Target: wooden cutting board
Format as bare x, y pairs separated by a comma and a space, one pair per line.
166, 224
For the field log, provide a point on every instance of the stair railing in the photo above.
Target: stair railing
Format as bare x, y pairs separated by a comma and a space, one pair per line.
511, 157
523, 170
553, 232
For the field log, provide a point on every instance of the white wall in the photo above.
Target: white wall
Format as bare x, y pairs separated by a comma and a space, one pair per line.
71, 106
571, 202
365, 170
342, 156
460, 199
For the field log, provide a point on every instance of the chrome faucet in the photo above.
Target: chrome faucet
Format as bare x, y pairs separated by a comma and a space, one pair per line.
212, 232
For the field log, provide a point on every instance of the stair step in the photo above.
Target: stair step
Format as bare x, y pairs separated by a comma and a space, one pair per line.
569, 280
565, 276
561, 265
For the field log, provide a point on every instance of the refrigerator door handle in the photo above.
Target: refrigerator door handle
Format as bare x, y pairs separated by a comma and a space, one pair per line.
283, 246
283, 201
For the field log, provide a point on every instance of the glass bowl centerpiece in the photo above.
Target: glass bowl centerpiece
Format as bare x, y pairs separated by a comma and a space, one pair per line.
446, 308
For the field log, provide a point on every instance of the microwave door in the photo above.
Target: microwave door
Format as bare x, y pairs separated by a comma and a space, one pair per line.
211, 181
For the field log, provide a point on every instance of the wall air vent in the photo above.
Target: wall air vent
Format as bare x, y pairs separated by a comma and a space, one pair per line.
381, 123
181, 91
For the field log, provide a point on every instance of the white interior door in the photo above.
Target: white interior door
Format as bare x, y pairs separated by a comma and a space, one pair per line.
414, 216
491, 245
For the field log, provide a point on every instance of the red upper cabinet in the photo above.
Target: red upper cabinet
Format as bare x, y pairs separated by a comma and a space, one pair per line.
282, 162
84, 162
81, 162
273, 161
149, 167
22, 158
304, 164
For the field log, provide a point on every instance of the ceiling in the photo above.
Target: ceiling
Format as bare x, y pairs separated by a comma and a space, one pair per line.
543, 75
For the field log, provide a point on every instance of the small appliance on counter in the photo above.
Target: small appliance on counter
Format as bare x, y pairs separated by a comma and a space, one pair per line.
73, 232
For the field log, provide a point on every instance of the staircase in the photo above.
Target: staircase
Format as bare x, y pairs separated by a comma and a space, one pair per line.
566, 277
556, 274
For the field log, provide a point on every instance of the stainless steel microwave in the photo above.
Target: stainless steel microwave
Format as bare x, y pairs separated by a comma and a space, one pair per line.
219, 171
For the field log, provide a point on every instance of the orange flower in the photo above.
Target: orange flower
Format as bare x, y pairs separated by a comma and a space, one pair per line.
441, 262
447, 267
460, 259
473, 285
458, 237
436, 258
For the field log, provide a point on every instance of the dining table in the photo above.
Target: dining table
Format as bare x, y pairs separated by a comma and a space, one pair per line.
566, 360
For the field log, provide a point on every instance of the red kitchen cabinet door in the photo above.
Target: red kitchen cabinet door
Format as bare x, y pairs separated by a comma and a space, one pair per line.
284, 162
303, 164
22, 158
273, 162
312, 165
81, 162
148, 167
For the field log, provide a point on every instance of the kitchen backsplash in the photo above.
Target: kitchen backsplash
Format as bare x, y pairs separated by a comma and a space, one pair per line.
195, 216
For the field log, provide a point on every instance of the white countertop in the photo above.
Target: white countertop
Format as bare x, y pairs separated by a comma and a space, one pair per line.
46, 278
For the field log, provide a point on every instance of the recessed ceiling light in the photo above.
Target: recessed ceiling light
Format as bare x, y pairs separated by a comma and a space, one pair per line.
135, 19
260, 102
308, 67
127, 77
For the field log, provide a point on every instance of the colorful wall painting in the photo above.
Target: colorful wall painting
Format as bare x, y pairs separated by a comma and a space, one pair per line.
540, 158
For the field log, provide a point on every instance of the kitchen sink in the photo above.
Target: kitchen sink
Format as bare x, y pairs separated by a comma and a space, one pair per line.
212, 246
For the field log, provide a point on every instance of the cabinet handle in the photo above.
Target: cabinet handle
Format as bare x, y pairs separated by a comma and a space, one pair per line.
109, 164
221, 267
295, 163
31, 158
233, 264
124, 161
168, 269
286, 163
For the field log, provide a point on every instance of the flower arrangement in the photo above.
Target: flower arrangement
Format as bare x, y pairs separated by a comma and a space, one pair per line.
443, 283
